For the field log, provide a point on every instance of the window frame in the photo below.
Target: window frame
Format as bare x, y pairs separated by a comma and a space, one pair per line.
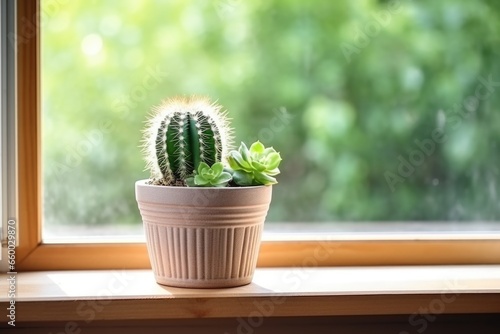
33, 254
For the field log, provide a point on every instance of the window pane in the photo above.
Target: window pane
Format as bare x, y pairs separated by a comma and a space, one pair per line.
383, 111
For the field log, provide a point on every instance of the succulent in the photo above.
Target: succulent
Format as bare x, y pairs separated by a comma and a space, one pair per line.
181, 134
207, 176
186, 142
255, 166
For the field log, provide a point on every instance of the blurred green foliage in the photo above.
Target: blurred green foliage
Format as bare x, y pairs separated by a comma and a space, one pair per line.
342, 89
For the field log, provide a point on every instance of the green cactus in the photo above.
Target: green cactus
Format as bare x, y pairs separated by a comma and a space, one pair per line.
182, 133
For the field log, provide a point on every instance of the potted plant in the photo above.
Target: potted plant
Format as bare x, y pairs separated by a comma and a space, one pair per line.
204, 206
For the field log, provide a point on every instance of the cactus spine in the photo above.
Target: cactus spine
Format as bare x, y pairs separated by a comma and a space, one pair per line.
181, 133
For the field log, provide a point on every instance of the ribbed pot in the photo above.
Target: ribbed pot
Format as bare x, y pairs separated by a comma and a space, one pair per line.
203, 237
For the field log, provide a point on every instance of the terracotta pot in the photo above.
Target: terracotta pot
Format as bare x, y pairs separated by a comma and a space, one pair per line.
203, 237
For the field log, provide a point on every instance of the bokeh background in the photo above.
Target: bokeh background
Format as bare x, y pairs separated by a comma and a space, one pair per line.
345, 90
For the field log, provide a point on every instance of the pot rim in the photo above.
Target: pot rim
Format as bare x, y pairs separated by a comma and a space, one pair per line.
202, 196
143, 183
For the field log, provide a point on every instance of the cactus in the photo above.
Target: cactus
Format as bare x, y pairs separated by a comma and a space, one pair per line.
182, 133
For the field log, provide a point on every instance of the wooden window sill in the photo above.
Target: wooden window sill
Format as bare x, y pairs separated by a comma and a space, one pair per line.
84, 296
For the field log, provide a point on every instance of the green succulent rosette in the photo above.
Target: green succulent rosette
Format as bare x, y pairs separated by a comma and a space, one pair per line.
255, 166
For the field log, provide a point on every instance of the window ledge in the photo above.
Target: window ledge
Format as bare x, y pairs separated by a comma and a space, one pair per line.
84, 296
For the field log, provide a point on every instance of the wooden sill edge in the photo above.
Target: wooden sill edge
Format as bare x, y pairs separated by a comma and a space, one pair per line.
321, 253
110, 295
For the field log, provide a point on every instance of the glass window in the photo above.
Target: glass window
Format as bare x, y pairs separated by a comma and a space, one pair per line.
384, 111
